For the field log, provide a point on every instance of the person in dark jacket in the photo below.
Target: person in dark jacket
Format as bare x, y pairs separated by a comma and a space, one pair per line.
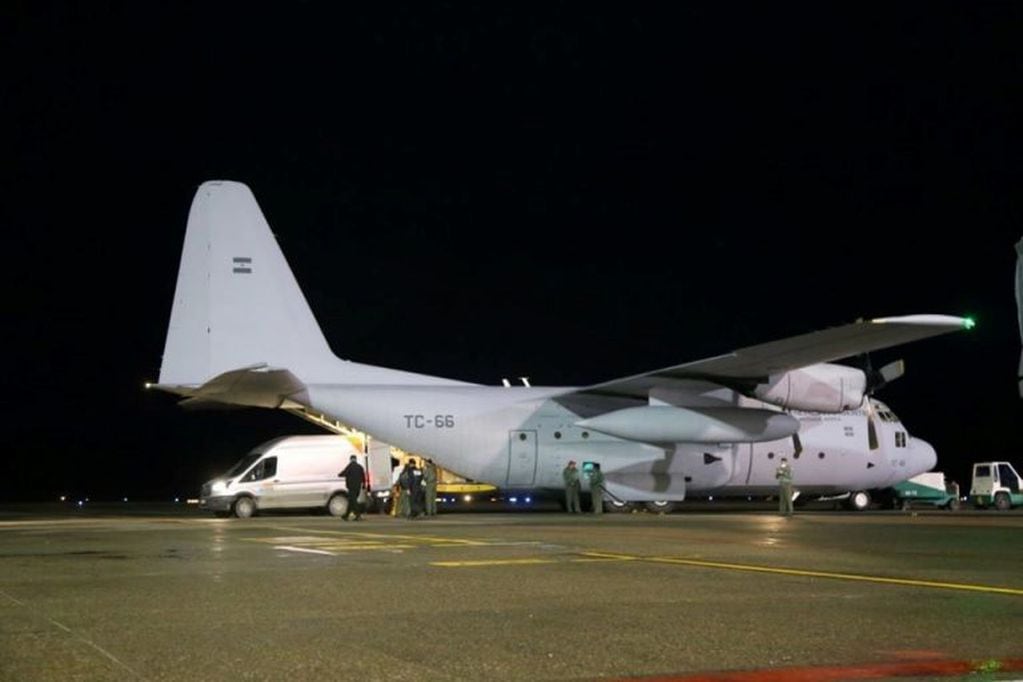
355, 479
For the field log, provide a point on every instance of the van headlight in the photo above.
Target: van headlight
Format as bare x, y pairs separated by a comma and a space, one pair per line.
219, 488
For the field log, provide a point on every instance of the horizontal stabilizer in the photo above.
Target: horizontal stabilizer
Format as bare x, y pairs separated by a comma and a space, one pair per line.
250, 387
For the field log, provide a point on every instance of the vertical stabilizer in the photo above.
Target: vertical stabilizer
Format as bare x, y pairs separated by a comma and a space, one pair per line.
236, 303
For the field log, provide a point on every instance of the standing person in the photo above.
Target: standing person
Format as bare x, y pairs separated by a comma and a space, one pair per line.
355, 480
570, 475
784, 475
416, 489
430, 486
597, 488
405, 485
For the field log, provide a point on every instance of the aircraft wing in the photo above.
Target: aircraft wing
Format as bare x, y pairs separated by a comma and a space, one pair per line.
756, 363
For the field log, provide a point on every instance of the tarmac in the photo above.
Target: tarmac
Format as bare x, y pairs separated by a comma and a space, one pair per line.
167, 592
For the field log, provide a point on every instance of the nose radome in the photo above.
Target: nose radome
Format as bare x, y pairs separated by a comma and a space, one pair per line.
924, 456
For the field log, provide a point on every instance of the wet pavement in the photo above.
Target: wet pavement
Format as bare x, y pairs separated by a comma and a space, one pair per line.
169, 593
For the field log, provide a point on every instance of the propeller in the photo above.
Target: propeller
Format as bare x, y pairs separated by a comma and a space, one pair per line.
876, 380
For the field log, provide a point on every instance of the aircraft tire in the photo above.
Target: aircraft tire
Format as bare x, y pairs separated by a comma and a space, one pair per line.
616, 507
660, 507
337, 505
1002, 502
859, 500
244, 507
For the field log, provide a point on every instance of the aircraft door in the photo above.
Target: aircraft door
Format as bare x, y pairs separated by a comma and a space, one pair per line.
521, 458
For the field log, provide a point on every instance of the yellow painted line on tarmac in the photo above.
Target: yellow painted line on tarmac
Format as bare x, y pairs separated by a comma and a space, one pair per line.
421, 539
856, 577
588, 558
493, 562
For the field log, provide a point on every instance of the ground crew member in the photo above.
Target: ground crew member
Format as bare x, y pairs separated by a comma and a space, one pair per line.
570, 475
396, 496
430, 487
405, 483
597, 488
415, 489
784, 475
355, 480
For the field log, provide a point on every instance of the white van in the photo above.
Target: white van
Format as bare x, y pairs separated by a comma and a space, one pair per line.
293, 472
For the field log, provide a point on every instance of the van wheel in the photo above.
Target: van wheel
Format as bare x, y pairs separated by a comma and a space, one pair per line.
337, 505
244, 507
1002, 502
660, 507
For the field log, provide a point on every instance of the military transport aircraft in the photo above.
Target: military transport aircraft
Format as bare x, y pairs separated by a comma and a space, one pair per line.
242, 333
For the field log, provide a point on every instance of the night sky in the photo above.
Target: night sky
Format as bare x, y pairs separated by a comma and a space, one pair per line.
570, 192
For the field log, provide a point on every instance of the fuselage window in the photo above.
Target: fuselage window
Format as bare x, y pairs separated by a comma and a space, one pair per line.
900, 439
557, 435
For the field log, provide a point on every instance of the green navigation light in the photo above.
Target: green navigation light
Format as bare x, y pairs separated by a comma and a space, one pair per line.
969, 323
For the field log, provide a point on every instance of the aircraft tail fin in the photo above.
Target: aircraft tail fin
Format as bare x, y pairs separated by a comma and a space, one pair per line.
236, 303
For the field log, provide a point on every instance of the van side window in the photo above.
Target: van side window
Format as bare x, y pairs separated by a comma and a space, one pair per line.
265, 469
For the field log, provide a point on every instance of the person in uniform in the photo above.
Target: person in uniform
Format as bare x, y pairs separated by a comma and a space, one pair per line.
784, 475
597, 488
405, 484
570, 475
355, 480
415, 489
430, 487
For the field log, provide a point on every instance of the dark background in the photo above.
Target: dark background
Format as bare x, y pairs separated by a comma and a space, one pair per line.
571, 192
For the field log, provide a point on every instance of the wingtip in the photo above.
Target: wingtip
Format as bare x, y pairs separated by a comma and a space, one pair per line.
947, 321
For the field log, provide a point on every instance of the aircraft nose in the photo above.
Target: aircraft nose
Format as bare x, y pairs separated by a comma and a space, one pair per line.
924, 456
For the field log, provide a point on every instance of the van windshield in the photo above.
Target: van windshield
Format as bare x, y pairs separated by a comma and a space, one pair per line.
243, 464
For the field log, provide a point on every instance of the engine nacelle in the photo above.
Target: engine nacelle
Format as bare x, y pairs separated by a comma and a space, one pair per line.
816, 388
668, 424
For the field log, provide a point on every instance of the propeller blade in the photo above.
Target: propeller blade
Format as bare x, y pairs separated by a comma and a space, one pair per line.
892, 371
872, 441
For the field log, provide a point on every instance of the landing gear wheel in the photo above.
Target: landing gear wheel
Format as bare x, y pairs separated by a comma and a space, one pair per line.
337, 505
244, 507
660, 507
617, 507
858, 500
